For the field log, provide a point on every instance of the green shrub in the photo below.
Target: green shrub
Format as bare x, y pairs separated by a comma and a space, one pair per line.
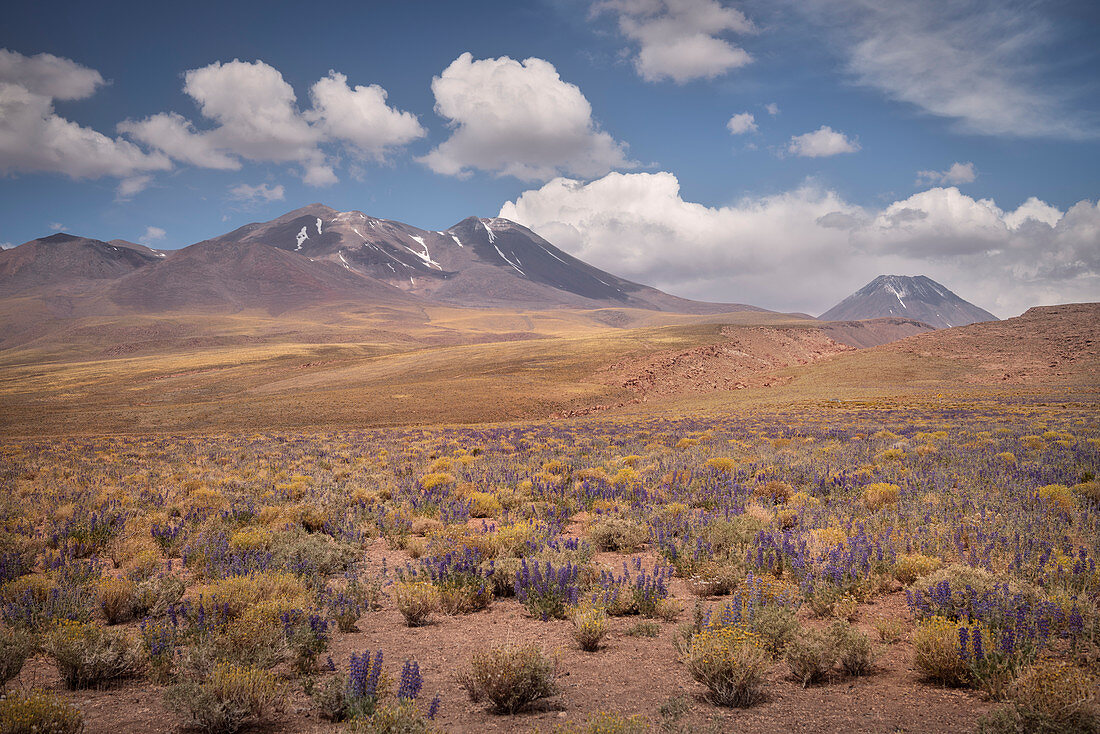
811, 656
89, 656
228, 698
589, 627
853, 648
510, 677
731, 663
38, 712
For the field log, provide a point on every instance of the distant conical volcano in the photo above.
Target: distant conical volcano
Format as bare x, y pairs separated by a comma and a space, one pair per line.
919, 298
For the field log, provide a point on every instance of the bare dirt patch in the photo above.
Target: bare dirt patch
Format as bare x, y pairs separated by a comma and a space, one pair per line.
749, 357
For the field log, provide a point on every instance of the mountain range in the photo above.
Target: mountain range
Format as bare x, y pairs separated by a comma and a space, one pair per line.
317, 255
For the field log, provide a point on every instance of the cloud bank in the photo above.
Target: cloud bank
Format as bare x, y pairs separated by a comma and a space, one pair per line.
806, 249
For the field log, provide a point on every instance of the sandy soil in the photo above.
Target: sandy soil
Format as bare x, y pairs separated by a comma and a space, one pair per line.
630, 675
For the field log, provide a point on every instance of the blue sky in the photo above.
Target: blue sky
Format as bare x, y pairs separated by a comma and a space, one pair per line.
618, 129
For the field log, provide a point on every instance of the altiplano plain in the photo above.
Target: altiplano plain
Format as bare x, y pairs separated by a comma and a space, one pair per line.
552, 367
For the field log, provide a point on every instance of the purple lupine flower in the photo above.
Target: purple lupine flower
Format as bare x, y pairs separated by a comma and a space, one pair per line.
964, 639
433, 709
410, 681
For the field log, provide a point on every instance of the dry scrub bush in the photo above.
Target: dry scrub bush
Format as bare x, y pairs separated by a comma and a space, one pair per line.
889, 630
1057, 696
589, 627
230, 696
879, 495
510, 677
1089, 490
811, 656
89, 656
38, 712
731, 663
606, 723
1049, 697
242, 592
400, 717
715, 578
775, 490
937, 652
417, 601
777, 626
853, 648
16, 646
617, 534
912, 566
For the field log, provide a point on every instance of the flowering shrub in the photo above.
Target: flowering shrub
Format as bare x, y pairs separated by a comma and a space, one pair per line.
589, 627
937, 651
38, 711
545, 591
417, 601
987, 513
731, 663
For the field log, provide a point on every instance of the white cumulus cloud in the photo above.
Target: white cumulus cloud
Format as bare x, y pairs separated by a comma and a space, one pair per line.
34, 138
518, 119
806, 249
254, 115
958, 173
741, 123
680, 40
360, 116
821, 143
